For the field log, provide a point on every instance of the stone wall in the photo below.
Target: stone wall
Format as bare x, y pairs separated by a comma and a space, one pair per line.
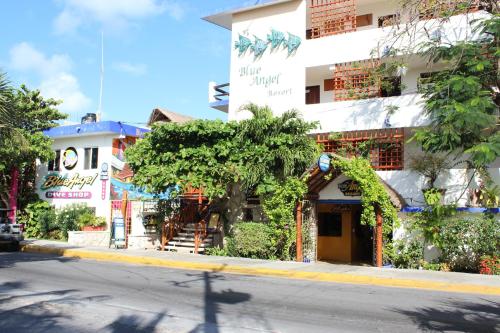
146, 242
89, 238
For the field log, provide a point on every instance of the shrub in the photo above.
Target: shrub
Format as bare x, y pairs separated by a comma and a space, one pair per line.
67, 218
463, 240
250, 240
408, 254
39, 220
489, 265
216, 251
88, 219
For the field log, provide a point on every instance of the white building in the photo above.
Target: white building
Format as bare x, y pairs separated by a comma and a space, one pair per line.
313, 55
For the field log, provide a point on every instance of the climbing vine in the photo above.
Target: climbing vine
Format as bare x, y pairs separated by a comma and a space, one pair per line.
373, 192
279, 201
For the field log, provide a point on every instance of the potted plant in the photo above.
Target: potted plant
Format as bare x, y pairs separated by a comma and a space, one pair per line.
89, 222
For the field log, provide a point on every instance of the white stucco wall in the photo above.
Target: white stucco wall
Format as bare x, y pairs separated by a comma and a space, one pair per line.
104, 143
287, 89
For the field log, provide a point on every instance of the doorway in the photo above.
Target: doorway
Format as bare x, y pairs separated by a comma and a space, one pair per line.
341, 236
312, 95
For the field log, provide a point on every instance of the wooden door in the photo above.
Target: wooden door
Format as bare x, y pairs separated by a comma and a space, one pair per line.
312, 95
334, 235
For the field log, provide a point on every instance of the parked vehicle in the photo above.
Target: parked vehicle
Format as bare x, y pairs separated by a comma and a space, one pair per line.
11, 234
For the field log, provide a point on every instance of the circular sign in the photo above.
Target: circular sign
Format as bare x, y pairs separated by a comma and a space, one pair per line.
104, 167
70, 158
324, 162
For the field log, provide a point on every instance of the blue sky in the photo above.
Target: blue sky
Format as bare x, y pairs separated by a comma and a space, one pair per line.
157, 53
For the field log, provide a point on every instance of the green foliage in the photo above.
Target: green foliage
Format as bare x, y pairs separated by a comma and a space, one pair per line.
213, 155
216, 251
88, 219
265, 155
463, 240
67, 218
39, 219
462, 102
489, 265
430, 166
24, 114
430, 220
408, 254
251, 240
373, 195
280, 200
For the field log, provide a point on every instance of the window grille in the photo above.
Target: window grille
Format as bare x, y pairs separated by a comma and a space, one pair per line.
332, 17
356, 80
384, 148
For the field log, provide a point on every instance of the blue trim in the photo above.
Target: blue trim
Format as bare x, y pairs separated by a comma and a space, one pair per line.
111, 127
415, 209
340, 201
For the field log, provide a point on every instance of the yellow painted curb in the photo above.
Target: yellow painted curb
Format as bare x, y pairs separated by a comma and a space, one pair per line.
299, 275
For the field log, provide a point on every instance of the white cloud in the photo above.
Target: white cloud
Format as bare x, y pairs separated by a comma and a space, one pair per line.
54, 72
126, 67
112, 14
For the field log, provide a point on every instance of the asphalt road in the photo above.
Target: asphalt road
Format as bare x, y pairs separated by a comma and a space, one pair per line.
42, 293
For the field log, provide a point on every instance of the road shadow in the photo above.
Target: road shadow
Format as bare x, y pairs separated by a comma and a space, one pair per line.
10, 259
134, 324
457, 316
212, 300
36, 312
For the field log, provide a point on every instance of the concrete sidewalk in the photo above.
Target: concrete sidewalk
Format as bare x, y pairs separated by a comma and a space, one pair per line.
389, 277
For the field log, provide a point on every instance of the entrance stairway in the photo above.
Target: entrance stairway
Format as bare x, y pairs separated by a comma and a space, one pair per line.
183, 242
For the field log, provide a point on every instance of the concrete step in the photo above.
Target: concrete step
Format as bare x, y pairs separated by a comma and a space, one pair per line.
187, 244
188, 234
190, 239
187, 250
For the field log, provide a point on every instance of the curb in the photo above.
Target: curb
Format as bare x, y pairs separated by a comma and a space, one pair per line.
296, 275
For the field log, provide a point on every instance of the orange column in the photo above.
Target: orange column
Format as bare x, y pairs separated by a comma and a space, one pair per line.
378, 232
300, 256
124, 214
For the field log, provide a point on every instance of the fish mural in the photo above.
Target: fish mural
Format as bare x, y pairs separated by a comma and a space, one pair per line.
275, 39
242, 45
259, 47
293, 43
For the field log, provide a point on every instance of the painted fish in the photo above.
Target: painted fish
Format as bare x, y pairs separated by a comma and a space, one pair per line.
259, 47
276, 38
242, 44
293, 43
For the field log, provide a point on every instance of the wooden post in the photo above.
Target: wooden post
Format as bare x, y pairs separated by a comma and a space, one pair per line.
378, 235
124, 215
300, 256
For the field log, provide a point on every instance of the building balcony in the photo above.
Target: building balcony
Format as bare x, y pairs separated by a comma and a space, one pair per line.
363, 43
335, 17
367, 114
218, 96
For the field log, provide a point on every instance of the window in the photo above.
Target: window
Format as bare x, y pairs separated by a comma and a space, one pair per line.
54, 164
391, 86
364, 20
387, 20
384, 147
90, 159
330, 224
425, 81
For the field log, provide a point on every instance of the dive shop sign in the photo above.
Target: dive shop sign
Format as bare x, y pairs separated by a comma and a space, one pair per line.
75, 181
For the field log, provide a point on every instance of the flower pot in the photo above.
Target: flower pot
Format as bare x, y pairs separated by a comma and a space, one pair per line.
92, 228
